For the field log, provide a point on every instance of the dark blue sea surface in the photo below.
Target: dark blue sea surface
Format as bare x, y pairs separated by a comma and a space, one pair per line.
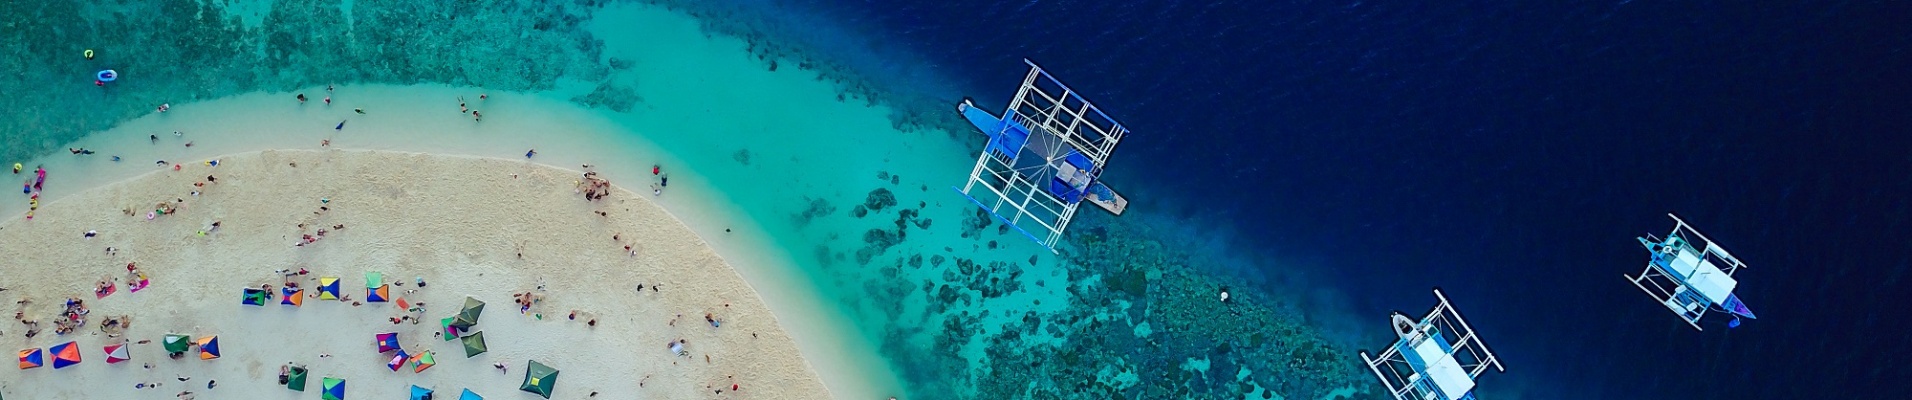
1508, 153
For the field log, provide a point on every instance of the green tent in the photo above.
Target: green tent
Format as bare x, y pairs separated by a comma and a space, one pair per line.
451, 333
177, 343
296, 380
539, 379
469, 315
332, 389
474, 344
373, 279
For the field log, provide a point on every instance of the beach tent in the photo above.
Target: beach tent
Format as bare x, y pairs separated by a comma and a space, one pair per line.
32, 358
419, 393
374, 279
468, 395
423, 361
116, 353
398, 360
378, 294
474, 344
296, 380
387, 342
177, 343
451, 332
539, 379
468, 315
208, 347
328, 288
64, 354
293, 297
332, 388
254, 297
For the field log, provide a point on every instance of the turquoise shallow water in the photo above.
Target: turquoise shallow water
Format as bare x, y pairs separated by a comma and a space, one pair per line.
780, 144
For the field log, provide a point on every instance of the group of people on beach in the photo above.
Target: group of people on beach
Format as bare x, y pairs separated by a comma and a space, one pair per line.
32, 188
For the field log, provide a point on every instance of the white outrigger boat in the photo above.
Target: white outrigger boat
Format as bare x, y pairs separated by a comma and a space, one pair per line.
1045, 156
1435, 358
1689, 280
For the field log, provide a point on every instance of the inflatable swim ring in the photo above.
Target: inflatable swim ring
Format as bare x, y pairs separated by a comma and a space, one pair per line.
17, 167
89, 54
107, 75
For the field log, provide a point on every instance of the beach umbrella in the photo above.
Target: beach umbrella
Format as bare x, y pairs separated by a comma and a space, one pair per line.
374, 279
177, 343
32, 358
208, 347
387, 341
539, 379
451, 332
423, 361
332, 388
378, 294
468, 315
296, 379
293, 297
468, 395
398, 360
328, 288
474, 344
419, 393
116, 353
64, 354
254, 297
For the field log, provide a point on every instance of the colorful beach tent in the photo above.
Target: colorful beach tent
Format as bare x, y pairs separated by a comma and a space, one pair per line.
296, 379
419, 393
293, 297
65, 354
254, 297
387, 342
378, 294
208, 347
423, 361
468, 315
398, 360
451, 332
116, 353
468, 395
374, 279
328, 288
539, 379
176, 343
332, 388
32, 358
474, 344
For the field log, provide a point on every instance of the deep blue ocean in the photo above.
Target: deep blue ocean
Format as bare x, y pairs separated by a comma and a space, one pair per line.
1508, 153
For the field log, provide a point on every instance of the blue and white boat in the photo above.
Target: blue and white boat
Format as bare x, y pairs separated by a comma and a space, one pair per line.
1691, 275
1437, 357
1045, 156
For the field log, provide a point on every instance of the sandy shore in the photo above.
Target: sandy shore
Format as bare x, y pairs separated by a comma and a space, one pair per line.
460, 223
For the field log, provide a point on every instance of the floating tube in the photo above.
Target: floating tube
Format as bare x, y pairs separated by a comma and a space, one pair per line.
107, 75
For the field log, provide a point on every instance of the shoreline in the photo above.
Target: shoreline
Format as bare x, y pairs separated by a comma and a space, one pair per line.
383, 183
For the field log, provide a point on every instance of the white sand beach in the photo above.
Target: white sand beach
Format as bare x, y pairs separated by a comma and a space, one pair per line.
480, 227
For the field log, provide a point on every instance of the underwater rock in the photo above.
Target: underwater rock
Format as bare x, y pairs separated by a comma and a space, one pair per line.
922, 223
1032, 260
859, 211
620, 64
619, 98
879, 199
916, 261
896, 179
742, 156
882, 175
818, 208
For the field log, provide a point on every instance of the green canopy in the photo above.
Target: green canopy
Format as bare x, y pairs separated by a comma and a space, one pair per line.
373, 279
468, 316
450, 332
296, 380
474, 344
539, 379
177, 343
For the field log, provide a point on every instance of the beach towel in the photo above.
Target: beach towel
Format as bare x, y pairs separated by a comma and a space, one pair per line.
139, 283
105, 291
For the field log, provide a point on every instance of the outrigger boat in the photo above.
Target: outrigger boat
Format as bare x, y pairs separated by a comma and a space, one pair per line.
1045, 156
1437, 357
1689, 280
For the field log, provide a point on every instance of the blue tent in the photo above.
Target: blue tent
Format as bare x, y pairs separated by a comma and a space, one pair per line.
419, 393
468, 395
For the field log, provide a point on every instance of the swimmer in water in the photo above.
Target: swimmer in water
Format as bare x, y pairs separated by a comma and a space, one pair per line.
530, 153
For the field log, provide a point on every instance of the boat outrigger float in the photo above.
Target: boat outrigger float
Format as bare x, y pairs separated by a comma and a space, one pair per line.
1045, 156
1688, 280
